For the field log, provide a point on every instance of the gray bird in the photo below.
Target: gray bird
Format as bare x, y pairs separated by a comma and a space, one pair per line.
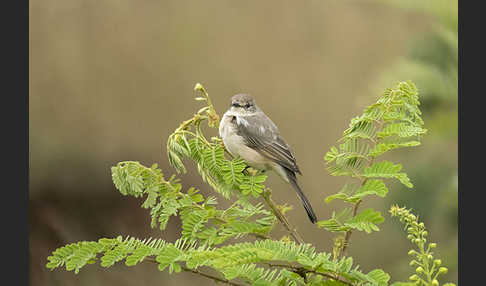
249, 133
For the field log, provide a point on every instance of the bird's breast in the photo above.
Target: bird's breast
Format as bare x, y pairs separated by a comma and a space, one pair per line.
235, 144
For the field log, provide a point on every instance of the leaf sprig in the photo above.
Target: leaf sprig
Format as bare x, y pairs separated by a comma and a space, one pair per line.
392, 122
239, 260
201, 220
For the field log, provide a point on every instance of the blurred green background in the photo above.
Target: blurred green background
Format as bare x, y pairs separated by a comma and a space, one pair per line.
110, 80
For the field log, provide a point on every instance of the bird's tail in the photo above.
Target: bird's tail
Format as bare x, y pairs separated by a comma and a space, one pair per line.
303, 198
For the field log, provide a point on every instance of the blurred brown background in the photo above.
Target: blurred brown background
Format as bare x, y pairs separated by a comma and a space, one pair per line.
110, 80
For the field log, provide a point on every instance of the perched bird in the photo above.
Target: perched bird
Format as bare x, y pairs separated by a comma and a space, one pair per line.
249, 133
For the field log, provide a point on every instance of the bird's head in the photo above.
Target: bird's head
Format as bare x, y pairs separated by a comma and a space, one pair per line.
243, 103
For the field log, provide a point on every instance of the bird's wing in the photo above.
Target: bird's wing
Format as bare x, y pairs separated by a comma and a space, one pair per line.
261, 134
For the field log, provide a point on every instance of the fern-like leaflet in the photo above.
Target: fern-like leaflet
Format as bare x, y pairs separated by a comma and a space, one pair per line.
392, 122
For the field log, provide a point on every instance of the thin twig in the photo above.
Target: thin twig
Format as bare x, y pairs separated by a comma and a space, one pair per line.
355, 212
302, 271
349, 232
281, 217
215, 278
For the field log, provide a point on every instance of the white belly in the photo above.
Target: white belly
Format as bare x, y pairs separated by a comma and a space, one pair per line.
236, 146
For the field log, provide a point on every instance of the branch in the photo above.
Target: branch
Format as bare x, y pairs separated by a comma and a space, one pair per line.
281, 217
356, 205
355, 211
215, 278
302, 272
349, 232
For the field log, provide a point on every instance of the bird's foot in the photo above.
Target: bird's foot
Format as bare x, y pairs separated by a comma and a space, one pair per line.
251, 171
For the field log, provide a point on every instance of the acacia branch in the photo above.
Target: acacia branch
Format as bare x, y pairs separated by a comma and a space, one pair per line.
215, 278
281, 217
347, 237
349, 232
303, 271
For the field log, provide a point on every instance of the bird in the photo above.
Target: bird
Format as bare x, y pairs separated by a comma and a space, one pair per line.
249, 133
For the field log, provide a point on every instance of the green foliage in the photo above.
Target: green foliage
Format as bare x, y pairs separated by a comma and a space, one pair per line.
239, 260
76, 255
367, 220
432, 63
427, 268
201, 220
393, 122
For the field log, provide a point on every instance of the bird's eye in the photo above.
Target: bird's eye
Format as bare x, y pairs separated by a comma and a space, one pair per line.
247, 105
235, 104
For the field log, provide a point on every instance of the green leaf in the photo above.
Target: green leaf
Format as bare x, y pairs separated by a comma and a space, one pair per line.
385, 169
213, 158
331, 155
176, 162
360, 128
152, 194
232, 171
193, 220
138, 255
332, 283
334, 224
345, 264
168, 255
253, 185
371, 187
336, 170
365, 220
402, 130
240, 228
197, 198
344, 194
378, 277
116, 254
341, 196
197, 147
382, 148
